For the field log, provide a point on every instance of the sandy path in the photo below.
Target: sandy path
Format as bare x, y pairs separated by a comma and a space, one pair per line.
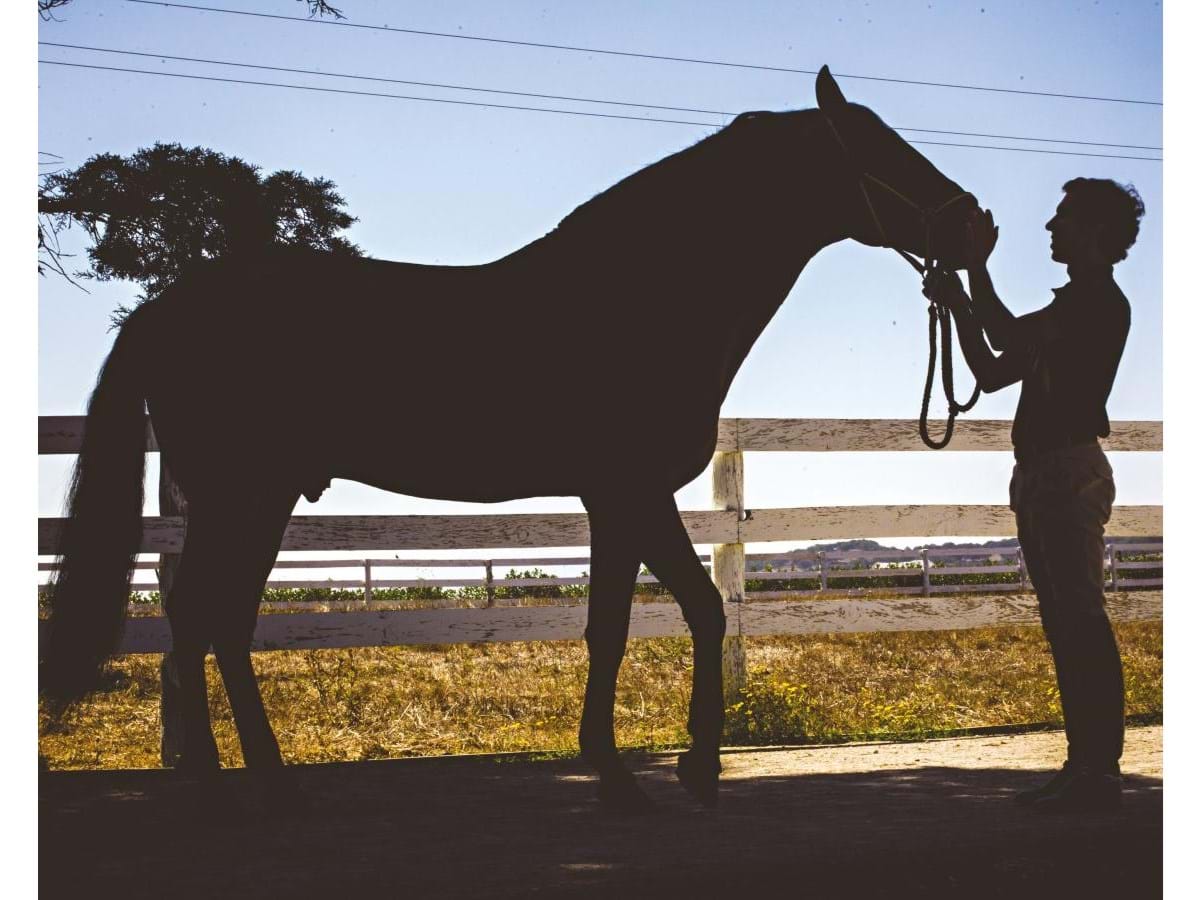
866, 820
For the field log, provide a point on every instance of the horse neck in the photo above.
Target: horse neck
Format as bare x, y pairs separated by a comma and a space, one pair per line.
777, 215
761, 254
724, 255
764, 253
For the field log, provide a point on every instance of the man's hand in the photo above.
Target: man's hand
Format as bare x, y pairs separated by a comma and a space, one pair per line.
980, 237
945, 289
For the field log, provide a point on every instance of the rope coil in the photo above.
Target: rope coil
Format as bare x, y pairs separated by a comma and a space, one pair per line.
927, 215
940, 314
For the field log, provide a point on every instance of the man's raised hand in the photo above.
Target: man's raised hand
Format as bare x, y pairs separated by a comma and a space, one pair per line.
945, 289
981, 236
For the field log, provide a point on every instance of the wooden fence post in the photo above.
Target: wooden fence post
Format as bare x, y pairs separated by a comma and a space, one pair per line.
1112, 564
171, 502
491, 584
821, 570
366, 583
925, 571
729, 570
1021, 570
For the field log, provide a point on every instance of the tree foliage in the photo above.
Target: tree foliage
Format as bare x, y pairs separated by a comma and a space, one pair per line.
153, 214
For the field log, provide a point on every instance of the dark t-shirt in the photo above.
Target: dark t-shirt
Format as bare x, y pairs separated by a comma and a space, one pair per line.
1064, 395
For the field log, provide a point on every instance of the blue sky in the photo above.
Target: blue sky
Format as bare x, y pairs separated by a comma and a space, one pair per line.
433, 182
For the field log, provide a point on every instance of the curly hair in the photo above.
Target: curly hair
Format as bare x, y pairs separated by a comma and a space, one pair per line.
1118, 207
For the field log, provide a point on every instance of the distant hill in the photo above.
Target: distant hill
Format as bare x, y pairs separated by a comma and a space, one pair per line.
868, 544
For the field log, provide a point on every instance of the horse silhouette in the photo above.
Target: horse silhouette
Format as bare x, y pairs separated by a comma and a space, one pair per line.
265, 376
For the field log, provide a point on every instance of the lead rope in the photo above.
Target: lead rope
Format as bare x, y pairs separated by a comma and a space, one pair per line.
941, 314
935, 313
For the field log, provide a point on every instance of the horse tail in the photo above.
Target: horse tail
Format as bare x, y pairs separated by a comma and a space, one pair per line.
103, 531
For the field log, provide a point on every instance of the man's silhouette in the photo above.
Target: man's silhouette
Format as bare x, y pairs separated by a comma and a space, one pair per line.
1065, 356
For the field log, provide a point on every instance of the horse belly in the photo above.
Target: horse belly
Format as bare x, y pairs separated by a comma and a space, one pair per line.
475, 469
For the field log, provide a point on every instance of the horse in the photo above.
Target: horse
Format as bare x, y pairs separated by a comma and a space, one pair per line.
331, 366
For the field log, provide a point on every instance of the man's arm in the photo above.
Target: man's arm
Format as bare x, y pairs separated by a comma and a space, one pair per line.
992, 314
1003, 329
991, 372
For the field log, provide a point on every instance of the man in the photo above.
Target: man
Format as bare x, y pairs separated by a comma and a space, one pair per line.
1065, 356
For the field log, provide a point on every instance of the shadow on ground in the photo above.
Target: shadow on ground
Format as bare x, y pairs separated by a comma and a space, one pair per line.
481, 827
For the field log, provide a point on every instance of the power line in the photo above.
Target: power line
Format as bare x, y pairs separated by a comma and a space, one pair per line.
460, 87
634, 55
1035, 150
1017, 137
328, 90
432, 84
566, 112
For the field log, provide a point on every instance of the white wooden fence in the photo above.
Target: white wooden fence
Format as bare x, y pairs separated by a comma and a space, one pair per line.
823, 566
728, 527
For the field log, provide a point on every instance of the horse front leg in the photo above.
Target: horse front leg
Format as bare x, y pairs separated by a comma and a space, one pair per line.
614, 574
668, 552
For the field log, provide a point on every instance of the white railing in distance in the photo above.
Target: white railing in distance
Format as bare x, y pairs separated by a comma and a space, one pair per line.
728, 527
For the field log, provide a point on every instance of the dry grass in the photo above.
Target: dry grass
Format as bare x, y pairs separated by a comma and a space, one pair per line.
366, 703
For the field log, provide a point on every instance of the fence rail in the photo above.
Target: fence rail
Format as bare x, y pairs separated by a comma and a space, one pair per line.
785, 568
728, 528
63, 434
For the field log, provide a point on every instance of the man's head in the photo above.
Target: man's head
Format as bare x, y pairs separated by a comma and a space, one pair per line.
1096, 223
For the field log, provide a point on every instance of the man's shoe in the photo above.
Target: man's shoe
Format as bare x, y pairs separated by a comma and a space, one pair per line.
1084, 791
1065, 774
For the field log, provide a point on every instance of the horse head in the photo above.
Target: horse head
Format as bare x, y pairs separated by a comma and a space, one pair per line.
898, 198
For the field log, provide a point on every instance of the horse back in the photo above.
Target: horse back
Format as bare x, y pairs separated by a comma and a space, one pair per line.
515, 378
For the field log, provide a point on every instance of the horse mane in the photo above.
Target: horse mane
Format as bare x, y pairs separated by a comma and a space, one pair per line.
707, 176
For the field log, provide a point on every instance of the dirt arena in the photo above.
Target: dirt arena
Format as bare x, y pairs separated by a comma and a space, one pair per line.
863, 820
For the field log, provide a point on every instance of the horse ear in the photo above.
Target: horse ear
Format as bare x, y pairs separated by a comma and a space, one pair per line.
829, 96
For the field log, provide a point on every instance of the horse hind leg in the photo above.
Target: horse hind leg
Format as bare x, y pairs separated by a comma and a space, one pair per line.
233, 544
668, 552
188, 742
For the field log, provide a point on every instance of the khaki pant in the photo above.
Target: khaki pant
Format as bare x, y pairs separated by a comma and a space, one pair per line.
1062, 500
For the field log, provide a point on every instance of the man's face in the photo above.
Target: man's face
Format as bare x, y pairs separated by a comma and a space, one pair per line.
1071, 238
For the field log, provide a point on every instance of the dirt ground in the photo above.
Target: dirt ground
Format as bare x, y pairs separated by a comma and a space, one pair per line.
930, 819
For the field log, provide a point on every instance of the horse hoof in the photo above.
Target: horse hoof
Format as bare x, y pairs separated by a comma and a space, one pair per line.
197, 767
620, 795
699, 777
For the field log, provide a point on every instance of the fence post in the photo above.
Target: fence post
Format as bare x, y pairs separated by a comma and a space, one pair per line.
366, 583
729, 570
171, 502
490, 584
821, 570
1021, 570
1112, 564
925, 571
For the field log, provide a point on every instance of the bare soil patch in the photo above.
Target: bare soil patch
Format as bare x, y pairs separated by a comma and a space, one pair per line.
862, 820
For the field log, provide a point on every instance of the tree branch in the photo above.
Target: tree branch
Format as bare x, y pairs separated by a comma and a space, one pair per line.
320, 8
315, 8
46, 9
50, 255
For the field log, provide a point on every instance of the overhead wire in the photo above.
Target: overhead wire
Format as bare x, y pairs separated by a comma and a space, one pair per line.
330, 90
636, 55
540, 109
541, 96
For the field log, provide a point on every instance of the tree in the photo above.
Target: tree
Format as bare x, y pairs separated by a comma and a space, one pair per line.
154, 214
55, 214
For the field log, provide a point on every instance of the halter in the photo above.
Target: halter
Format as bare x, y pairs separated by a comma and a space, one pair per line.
937, 314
